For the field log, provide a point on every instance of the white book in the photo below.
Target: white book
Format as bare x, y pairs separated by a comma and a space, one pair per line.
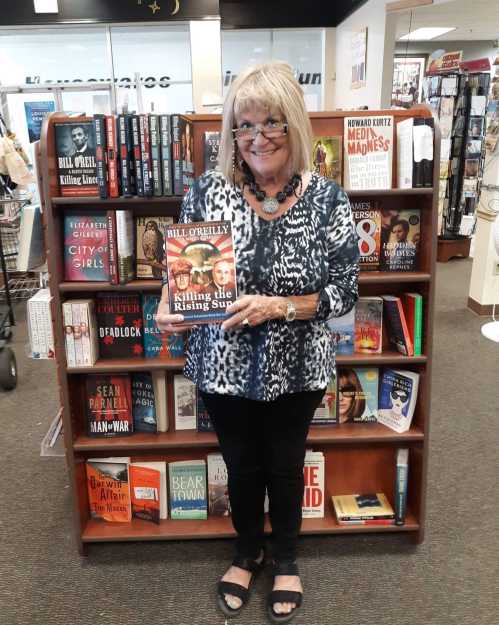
125, 245
398, 393
160, 399
218, 496
40, 325
313, 494
163, 499
67, 320
89, 343
31, 244
404, 153
184, 392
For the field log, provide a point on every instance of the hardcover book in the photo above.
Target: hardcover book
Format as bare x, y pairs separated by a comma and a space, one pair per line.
211, 149
112, 241
398, 331
125, 245
397, 399
112, 156
158, 344
161, 400
313, 494
143, 403
109, 489
400, 248
148, 491
100, 154
155, 139
368, 146
86, 253
367, 219
183, 154
327, 157
160, 467
184, 394
201, 270
413, 309
326, 412
357, 394
119, 324
109, 404
363, 509
127, 166
343, 329
218, 493
137, 155
203, 421
80, 332
145, 155
401, 484
166, 154
188, 496
150, 247
75, 148
369, 325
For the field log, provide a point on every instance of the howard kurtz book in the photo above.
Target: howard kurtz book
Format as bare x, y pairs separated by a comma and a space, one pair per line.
75, 148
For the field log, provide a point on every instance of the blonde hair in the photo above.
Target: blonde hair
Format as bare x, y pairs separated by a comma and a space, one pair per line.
273, 87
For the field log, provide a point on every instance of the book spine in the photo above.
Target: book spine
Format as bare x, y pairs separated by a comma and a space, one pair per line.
155, 155
112, 157
405, 329
137, 154
100, 154
178, 184
67, 320
124, 239
92, 329
166, 154
401, 481
366, 517
85, 335
75, 311
123, 141
112, 244
418, 326
376, 521
145, 155
39, 347
428, 163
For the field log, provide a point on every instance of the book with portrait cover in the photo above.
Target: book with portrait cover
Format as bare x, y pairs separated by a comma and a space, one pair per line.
218, 494
143, 403
397, 399
326, 412
75, 149
108, 404
150, 245
400, 247
188, 496
211, 149
363, 509
367, 217
201, 270
327, 157
368, 147
313, 493
369, 325
86, 250
119, 325
108, 488
158, 344
357, 394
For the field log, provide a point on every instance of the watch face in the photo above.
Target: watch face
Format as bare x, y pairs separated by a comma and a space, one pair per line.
290, 312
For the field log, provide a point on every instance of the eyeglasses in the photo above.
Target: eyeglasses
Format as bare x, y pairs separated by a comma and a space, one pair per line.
270, 130
402, 395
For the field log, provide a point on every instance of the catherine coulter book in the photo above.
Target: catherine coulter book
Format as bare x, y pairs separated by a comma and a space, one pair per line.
201, 270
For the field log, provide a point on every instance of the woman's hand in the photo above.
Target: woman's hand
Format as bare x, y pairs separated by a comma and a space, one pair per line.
169, 323
252, 310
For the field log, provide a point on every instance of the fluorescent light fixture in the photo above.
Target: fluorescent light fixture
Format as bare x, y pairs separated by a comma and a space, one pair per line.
46, 6
425, 34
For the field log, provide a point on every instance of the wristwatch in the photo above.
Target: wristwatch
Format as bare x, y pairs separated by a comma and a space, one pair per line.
290, 311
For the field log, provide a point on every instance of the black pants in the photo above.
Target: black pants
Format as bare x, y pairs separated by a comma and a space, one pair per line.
263, 445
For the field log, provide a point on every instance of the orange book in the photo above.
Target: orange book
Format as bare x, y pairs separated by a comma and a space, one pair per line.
109, 489
145, 487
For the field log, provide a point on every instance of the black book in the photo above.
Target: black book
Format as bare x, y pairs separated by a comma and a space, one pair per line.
422, 172
137, 154
76, 162
144, 408
203, 421
119, 325
166, 154
100, 154
108, 404
211, 149
125, 146
145, 155
155, 141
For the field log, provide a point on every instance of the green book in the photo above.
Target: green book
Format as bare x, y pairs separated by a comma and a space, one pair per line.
188, 496
413, 310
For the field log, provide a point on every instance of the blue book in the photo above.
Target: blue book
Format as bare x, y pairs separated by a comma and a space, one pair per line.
143, 404
343, 329
156, 343
188, 495
397, 401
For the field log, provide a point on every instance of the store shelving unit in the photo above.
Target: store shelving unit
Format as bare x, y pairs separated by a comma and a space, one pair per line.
359, 457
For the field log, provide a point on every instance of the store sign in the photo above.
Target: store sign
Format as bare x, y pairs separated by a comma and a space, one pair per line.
477, 65
448, 62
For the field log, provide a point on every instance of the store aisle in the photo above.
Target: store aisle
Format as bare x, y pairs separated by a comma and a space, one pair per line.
359, 580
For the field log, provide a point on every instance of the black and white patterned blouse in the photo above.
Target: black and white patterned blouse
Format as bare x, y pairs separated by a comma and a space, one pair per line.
311, 248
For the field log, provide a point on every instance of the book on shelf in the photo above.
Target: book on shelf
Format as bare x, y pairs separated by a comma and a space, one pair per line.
126, 155
160, 399
401, 485
211, 149
368, 149
367, 219
143, 403
125, 245
86, 252
357, 394
184, 395
31, 253
80, 332
150, 245
166, 154
368, 325
203, 421
397, 398
137, 155
423, 152
401, 240
413, 309
343, 329
112, 246
108, 486
148, 491
188, 492
313, 494
100, 154
75, 149
108, 400
201, 270
157, 344
218, 493
363, 509
155, 143
182, 154
145, 155
398, 331
327, 157
119, 325
405, 152
113, 180
40, 331
326, 413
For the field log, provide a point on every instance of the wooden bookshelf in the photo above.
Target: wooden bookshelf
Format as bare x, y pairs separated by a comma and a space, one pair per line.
359, 457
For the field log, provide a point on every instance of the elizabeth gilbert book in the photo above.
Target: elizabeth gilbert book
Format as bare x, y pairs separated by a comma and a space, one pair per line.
86, 251
109, 404
119, 325
75, 148
201, 270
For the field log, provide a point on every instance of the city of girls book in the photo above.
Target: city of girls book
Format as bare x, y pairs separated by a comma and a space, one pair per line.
327, 157
86, 249
75, 148
109, 404
108, 488
201, 270
119, 325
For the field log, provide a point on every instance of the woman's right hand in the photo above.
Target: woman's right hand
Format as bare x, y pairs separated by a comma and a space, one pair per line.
167, 322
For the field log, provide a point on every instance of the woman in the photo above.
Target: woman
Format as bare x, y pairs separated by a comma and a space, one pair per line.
351, 404
263, 372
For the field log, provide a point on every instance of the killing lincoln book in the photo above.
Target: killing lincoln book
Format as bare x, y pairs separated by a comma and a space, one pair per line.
75, 147
109, 404
119, 325
201, 270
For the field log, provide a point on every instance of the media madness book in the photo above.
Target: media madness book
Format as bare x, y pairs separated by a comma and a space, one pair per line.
109, 404
327, 157
119, 325
75, 148
188, 496
368, 325
367, 219
397, 399
201, 270
150, 249
108, 488
86, 251
143, 404
211, 149
400, 250
158, 344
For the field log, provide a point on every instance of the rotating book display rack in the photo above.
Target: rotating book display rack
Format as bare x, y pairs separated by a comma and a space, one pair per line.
359, 457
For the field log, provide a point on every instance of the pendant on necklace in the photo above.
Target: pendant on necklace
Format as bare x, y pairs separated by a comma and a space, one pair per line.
270, 205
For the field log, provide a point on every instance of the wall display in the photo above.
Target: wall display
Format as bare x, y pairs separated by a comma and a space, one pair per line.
359, 59
408, 73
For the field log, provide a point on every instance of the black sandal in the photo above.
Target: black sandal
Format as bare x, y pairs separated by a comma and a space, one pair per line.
283, 596
237, 590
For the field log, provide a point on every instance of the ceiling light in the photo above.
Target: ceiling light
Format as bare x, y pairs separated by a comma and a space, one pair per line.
46, 6
425, 34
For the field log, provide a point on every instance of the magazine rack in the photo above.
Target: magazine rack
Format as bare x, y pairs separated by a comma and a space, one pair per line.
358, 458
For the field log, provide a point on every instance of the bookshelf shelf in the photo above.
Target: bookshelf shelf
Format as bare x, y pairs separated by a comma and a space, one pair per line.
391, 192
393, 277
122, 202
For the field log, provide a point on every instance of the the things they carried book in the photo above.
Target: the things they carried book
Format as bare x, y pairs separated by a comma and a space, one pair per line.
201, 270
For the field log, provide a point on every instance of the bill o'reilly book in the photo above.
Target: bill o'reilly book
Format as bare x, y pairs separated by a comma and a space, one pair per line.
201, 270
109, 404
119, 325
75, 148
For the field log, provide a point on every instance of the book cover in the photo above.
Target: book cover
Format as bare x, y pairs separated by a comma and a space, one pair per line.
150, 245
401, 484
423, 152
368, 147
158, 344
145, 155
218, 490
108, 404
201, 270
357, 394
400, 249
366, 508
125, 245
155, 140
313, 494
161, 399
326, 413
397, 399
160, 468
100, 154
145, 486
398, 331
369, 325
367, 219
125, 145
75, 148
86, 252
112, 242
413, 309
35, 114
112, 157
143, 403
119, 324
327, 157
109, 489
188, 496
166, 154
343, 329
184, 395
211, 149
203, 421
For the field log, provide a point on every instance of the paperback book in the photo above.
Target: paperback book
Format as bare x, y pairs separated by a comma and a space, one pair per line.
119, 325
400, 247
148, 490
327, 157
125, 245
109, 404
80, 332
86, 252
401, 484
326, 412
397, 400
75, 148
363, 509
108, 488
398, 331
343, 329
184, 394
368, 325
357, 394
413, 309
188, 496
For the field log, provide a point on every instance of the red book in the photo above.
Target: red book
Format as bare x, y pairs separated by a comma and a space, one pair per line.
113, 247
109, 404
398, 332
368, 325
112, 157
86, 253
